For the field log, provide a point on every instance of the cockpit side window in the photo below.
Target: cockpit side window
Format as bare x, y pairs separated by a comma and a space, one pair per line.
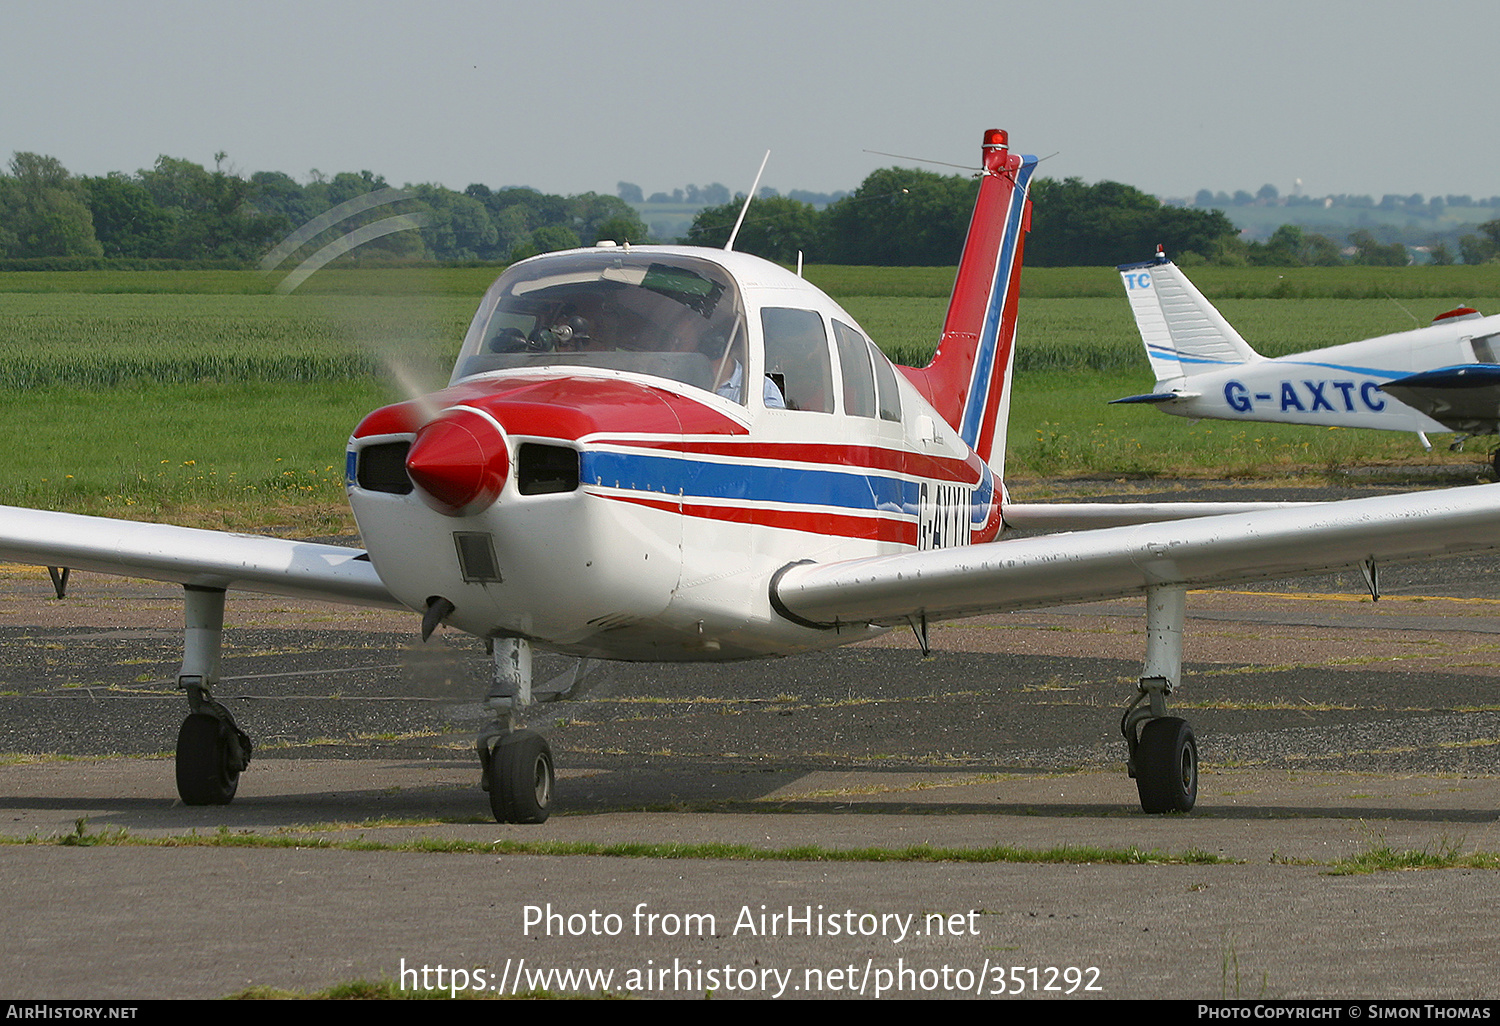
1484, 349
797, 358
885, 377
854, 362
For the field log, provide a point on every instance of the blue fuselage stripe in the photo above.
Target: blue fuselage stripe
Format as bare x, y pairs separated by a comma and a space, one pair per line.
675, 477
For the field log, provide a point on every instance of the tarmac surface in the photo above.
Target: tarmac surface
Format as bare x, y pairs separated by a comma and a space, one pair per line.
1329, 727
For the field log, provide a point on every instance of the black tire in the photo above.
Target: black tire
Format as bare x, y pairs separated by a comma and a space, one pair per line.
522, 778
203, 773
1166, 766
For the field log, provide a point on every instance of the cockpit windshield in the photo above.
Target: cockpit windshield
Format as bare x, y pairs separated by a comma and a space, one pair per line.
661, 314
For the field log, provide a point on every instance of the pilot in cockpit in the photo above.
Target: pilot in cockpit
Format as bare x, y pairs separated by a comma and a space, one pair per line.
575, 329
575, 334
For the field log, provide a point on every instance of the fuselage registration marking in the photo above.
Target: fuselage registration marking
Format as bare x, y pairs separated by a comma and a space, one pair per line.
1316, 395
943, 512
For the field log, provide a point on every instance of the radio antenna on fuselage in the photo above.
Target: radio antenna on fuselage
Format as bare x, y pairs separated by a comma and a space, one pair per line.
735, 234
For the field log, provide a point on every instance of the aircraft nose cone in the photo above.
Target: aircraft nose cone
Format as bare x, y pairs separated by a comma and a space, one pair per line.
458, 462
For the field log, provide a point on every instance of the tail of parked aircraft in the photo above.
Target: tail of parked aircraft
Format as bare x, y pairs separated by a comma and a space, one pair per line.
1184, 335
968, 380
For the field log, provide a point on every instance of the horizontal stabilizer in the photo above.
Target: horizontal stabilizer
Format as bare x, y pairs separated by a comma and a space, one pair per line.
1153, 398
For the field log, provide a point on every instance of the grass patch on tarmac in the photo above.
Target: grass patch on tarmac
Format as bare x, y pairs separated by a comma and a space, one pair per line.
225, 838
1377, 856
1380, 857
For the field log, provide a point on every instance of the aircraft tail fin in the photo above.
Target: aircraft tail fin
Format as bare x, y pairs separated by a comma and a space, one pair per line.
968, 381
1182, 332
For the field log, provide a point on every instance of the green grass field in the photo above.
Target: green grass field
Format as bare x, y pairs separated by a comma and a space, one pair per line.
202, 397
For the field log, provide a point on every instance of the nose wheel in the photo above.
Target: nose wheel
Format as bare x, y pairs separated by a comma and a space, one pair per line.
515, 763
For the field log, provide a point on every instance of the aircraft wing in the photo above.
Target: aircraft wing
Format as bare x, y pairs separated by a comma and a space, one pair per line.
1086, 566
188, 556
1464, 398
1081, 516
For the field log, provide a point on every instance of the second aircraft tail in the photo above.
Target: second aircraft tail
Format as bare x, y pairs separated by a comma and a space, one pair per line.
1182, 332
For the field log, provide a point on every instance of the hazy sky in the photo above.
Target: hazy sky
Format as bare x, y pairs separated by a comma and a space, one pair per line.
1358, 96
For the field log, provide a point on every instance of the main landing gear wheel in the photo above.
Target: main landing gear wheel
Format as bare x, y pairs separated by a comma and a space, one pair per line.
209, 761
521, 778
1166, 763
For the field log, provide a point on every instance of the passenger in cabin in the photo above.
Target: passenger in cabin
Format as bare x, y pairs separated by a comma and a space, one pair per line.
729, 374
796, 347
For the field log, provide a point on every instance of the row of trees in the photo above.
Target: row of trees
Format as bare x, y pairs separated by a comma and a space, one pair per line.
714, 194
1416, 203
1290, 246
902, 216
183, 211
898, 216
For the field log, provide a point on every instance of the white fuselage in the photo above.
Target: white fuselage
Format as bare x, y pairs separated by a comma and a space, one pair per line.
684, 502
1335, 387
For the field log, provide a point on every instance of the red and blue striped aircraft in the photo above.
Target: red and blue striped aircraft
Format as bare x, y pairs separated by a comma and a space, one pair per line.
684, 454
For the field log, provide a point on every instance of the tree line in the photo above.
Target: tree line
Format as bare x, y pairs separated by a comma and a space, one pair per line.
1415, 203
902, 216
181, 211
911, 217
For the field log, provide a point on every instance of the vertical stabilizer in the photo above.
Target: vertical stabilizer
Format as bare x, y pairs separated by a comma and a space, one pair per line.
968, 380
1182, 332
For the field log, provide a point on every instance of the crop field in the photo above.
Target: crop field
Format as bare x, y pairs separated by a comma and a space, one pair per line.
202, 397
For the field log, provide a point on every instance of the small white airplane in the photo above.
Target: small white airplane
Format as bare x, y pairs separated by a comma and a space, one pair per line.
1443, 377
679, 454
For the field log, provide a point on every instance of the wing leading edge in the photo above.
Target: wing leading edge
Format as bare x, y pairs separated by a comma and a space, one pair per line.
193, 557
1117, 561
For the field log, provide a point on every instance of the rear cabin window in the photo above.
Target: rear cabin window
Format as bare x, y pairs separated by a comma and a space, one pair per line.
854, 361
797, 358
885, 376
